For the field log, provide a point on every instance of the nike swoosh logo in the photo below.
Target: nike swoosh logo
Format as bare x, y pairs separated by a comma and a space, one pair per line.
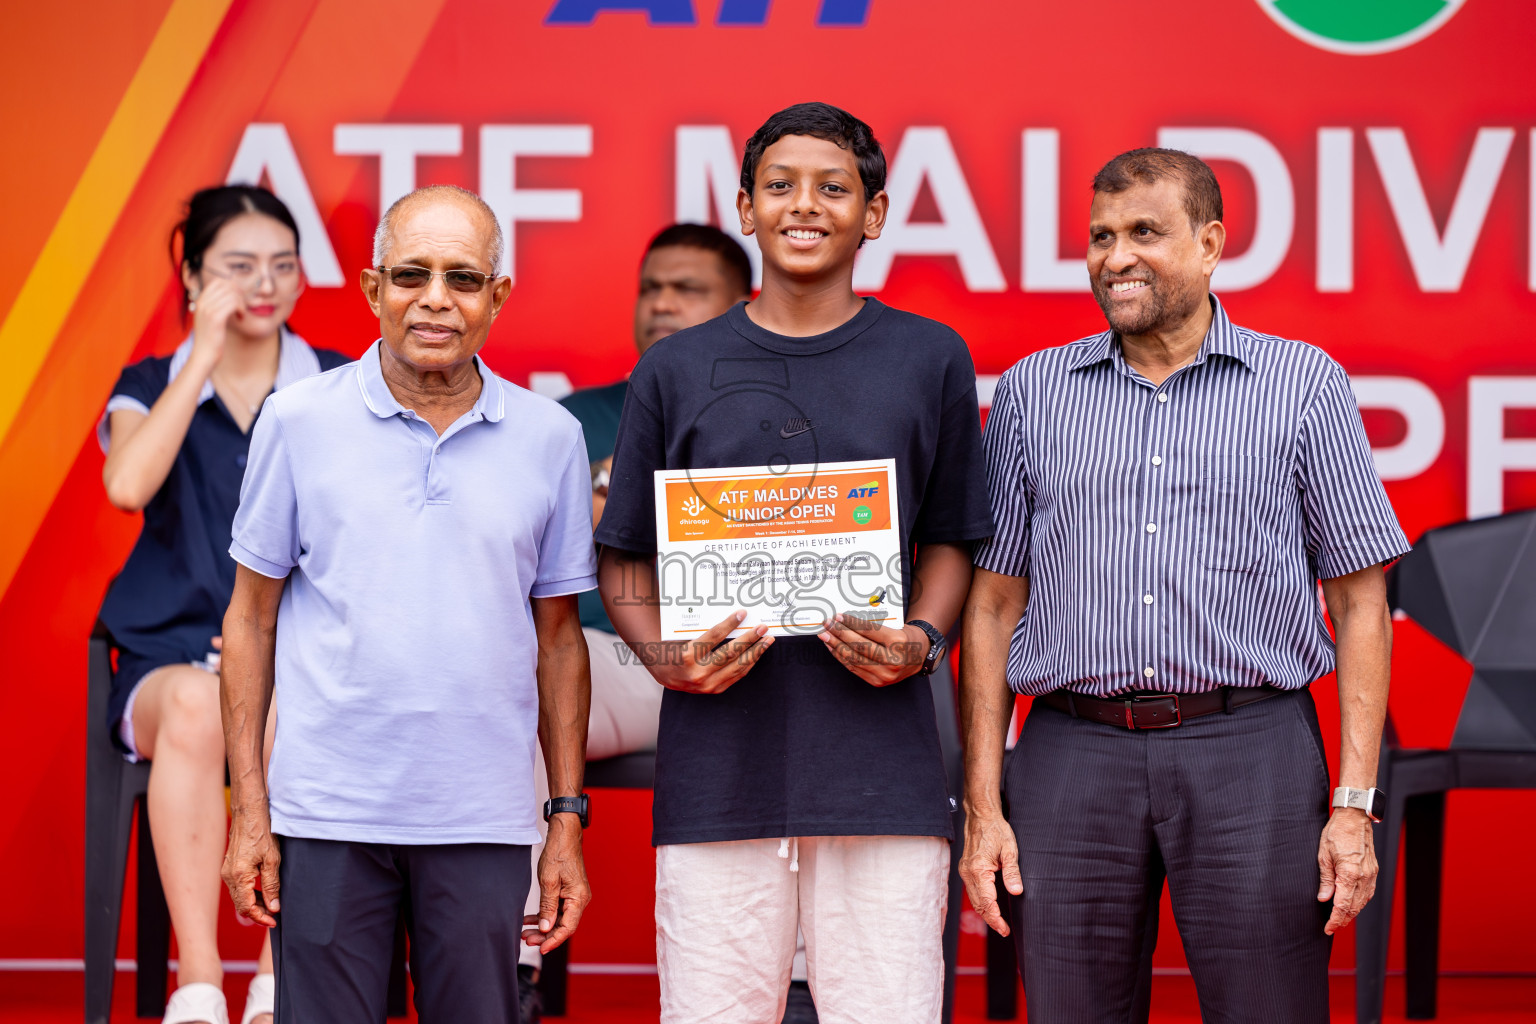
786, 433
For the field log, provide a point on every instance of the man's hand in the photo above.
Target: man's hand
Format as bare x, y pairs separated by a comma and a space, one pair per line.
1346, 859
699, 666
989, 847
876, 654
250, 866
563, 889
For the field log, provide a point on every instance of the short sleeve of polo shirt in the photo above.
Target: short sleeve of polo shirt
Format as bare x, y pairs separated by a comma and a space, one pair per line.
138, 387
1349, 523
1003, 446
954, 505
567, 561
266, 529
629, 517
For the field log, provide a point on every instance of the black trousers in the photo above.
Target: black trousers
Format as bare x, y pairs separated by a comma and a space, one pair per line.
463, 907
1227, 808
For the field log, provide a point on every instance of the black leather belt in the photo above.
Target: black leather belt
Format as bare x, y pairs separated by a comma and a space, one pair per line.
1156, 710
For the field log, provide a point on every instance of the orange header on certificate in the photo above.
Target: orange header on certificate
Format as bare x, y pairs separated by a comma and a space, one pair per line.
731, 505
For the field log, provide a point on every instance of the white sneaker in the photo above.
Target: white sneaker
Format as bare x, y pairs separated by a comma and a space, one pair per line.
258, 999
197, 1003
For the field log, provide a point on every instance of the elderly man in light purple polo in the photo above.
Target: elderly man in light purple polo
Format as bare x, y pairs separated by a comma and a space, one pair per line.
412, 534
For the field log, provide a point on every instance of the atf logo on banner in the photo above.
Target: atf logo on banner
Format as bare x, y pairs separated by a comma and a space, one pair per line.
1361, 26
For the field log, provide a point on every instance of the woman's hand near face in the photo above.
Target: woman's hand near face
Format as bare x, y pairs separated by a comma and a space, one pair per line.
217, 303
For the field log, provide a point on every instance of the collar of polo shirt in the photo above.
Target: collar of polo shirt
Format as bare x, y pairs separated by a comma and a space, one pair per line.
295, 361
491, 405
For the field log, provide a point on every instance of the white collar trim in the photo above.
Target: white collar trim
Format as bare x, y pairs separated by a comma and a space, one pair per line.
295, 361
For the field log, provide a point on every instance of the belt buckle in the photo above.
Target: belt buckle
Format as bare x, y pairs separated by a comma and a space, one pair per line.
1131, 702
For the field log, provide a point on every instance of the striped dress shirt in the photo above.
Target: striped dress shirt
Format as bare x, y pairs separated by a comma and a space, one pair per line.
1173, 535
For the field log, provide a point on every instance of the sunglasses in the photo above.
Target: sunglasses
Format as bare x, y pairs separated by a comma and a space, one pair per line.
406, 276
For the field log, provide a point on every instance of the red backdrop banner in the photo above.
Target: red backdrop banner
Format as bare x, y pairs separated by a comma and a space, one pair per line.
1376, 160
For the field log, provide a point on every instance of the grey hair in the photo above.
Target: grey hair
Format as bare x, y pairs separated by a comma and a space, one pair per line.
383, 234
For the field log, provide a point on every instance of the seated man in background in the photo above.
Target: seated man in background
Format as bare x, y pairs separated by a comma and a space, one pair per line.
691, 273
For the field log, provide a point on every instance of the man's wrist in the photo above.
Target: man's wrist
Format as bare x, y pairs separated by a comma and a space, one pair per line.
1352, 817
921, 644
246, 808
981, 810
248, 796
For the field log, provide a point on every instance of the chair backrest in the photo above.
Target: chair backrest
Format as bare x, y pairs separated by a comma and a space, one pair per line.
1472, 585
98, 687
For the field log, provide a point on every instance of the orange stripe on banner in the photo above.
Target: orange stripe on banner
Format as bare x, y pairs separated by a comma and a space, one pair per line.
93, 208
300, 62
87, 52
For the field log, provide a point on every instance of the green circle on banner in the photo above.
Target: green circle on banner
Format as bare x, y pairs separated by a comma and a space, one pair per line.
862, 514
1360, 26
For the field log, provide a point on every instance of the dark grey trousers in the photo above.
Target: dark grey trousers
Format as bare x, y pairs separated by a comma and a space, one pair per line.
463, 907
1227, 808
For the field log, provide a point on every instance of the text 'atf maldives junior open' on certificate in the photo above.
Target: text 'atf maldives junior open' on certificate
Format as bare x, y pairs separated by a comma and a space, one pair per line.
792, 548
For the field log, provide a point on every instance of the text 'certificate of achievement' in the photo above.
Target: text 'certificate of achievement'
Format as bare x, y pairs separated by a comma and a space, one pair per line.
792, 548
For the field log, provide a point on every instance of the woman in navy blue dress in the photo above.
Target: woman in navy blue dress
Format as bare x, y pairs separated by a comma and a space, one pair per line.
176, 432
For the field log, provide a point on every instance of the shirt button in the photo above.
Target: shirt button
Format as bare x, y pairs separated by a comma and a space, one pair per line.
1146, 599
1151, 527
1163, 397
240, 460
1157, 460
1149, 672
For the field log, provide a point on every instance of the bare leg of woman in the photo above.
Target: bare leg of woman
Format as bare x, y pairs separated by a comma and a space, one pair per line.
176, 724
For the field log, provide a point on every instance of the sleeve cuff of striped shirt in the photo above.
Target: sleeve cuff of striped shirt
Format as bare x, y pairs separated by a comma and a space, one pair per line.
1342, 563
1000, 559
560, 588
254, 562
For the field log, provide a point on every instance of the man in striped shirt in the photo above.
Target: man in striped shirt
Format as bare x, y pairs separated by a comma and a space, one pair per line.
1167, 496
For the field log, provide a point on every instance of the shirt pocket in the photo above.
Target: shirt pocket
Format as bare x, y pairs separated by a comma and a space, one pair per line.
1243, 498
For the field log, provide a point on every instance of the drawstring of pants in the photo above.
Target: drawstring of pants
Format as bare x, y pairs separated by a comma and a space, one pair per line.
784, 851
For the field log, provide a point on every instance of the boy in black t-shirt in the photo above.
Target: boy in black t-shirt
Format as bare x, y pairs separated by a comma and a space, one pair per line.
798, 779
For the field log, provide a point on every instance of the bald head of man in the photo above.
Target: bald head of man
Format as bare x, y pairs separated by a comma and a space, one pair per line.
434, 283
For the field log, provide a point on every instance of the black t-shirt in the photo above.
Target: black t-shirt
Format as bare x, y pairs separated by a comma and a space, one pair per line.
800, 746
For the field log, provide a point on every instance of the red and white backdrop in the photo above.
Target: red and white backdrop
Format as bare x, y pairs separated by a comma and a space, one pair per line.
1376, 159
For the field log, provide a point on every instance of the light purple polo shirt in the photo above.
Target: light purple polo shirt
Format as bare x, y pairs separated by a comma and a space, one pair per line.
407, 705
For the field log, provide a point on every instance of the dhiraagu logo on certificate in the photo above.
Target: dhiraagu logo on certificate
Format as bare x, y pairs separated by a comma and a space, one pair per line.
791, 546
1361, 26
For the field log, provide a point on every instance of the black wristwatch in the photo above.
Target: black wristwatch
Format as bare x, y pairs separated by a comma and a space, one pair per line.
577, 805
937, 645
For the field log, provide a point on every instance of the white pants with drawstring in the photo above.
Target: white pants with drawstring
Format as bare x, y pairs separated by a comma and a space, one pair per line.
871, 909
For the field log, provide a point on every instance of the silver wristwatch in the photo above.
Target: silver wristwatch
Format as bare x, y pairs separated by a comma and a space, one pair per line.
1372, 801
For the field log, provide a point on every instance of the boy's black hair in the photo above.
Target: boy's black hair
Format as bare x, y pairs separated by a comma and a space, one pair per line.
711, 239
819, 121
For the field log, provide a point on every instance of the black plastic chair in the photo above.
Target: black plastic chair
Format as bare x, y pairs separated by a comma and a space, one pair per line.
1473, 587
638, 771
114, 793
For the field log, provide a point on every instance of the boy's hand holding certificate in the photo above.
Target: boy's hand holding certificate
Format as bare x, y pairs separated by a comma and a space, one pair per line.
793, 547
